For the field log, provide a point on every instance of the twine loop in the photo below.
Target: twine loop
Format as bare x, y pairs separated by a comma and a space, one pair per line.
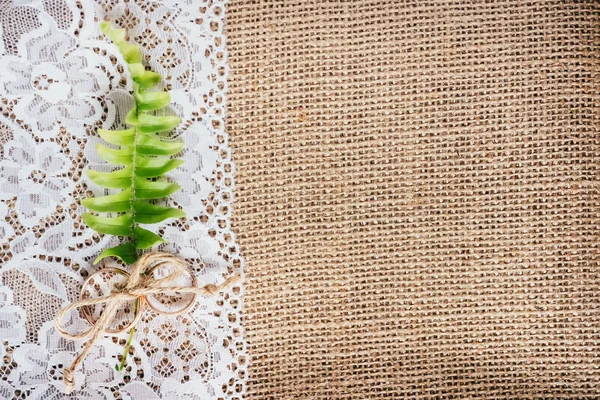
138, 285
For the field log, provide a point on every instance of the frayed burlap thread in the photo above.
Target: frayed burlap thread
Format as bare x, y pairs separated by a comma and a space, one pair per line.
418, 197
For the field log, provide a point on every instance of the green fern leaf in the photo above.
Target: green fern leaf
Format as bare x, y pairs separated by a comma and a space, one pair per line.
154, 124
143, 154
115, 156
119, 179
119, 138
146, 189
131, 53
152, 167
126, 252
117, 226
146, 239
153, 146
120, 202
151, 101
116, 35
146, 213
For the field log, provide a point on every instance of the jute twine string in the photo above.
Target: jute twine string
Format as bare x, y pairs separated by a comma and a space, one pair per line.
139, 284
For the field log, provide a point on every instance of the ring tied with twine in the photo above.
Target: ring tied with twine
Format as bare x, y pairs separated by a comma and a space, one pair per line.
138, 286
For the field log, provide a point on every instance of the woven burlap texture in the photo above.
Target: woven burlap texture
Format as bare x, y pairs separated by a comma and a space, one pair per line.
418, 197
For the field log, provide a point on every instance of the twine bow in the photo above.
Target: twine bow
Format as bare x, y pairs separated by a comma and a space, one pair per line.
139, 284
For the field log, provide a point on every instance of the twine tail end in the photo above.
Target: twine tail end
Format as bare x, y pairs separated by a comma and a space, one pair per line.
69, 380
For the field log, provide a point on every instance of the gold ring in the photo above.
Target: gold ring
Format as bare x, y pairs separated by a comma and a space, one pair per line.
184, 308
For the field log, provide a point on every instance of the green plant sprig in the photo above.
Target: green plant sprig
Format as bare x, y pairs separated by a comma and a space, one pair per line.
145, 158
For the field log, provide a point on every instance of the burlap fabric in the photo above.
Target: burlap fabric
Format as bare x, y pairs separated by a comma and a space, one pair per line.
418, 197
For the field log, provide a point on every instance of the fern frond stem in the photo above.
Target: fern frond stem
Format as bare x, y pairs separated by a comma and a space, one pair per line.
132, 208
126, 350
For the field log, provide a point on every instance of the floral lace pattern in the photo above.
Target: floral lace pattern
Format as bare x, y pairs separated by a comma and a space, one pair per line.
61, 80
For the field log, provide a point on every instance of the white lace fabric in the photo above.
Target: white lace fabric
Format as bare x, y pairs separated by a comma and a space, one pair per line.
60, 80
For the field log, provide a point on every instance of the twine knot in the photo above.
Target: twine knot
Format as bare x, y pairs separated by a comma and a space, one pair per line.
119, 288
139, 284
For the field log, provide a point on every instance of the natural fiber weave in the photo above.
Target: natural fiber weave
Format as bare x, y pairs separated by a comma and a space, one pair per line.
418, 197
